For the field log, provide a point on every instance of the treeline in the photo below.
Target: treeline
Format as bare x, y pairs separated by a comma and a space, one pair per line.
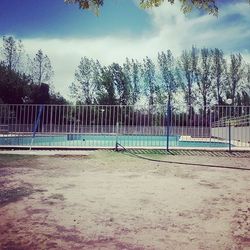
24, 79
197, 78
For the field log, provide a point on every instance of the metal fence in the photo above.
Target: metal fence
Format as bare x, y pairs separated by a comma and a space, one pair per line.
131, 126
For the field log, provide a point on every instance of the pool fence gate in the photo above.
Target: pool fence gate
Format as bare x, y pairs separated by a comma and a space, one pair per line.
103, 126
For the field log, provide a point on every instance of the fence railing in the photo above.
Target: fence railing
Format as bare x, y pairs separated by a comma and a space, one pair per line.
104, 125
240, 121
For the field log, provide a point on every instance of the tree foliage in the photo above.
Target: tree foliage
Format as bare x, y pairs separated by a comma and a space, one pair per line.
132, 69
84, 87
219, 74
204, 79
106, 93
188, 74
166, 64
122, 84
186, 5
210, 6
16, 85
198, 78
150, 87
235, 76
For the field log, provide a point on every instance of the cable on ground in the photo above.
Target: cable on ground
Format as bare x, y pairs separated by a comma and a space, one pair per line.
177, 162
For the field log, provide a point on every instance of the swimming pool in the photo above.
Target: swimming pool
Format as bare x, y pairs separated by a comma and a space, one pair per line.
100, 140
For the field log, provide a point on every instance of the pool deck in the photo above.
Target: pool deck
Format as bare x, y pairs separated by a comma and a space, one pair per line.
234, 142
15, 148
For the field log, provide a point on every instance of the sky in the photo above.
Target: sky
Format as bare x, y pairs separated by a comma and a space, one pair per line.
65, 33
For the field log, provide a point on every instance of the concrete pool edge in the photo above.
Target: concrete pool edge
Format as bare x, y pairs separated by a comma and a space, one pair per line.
5, 148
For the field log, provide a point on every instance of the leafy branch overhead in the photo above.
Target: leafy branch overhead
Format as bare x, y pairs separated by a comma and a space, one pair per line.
210, 6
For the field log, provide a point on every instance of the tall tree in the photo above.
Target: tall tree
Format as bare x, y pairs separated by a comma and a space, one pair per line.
219, 74
42, 71
106, 89
245, 98
83, 89
243, 94
188, 75
97, 71
121, 82
132, 69
11, 51
248, 78
235, 75
148, 73
166, 64
205, 77
14, 86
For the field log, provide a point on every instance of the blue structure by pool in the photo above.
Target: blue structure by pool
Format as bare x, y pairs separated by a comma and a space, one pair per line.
101, 140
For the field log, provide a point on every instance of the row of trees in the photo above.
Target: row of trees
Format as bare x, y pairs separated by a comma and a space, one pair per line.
24, 79
199, 77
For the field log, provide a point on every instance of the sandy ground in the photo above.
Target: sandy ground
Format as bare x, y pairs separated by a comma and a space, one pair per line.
109, 200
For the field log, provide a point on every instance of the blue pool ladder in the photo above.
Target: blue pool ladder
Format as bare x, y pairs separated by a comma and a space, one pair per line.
36, 124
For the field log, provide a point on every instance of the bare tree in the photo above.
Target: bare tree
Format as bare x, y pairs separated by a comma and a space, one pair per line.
166, 64
148, 74
235, 75
11, 51
188, 75
42, 71
219, 74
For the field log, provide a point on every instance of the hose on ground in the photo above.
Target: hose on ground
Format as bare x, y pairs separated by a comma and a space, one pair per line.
178, 162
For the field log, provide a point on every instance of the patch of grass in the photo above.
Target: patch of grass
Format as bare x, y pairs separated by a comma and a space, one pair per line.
14, 194
57, 197
13, 245
70, 157
6, 158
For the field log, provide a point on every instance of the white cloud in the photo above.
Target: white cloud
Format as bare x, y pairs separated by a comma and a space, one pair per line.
171, 30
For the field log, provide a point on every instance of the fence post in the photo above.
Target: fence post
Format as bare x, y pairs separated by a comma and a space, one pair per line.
168, 116
229, 136
210, 125
116, 137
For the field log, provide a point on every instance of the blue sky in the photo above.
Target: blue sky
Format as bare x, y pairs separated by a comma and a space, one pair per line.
54, 18
122, 30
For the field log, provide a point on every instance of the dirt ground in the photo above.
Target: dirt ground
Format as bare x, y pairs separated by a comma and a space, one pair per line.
110, 200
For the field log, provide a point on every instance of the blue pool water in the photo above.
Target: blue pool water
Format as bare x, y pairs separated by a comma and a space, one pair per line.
90, 140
